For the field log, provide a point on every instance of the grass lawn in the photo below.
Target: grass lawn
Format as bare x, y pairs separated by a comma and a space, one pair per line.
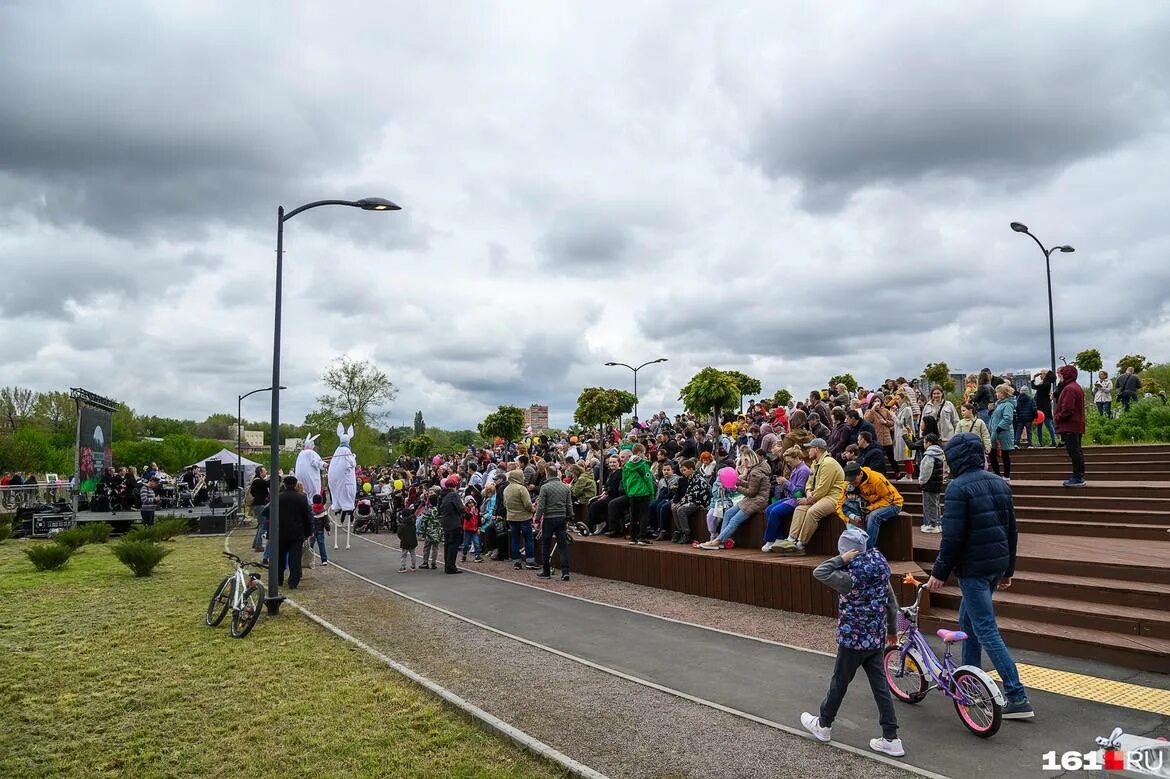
102, 674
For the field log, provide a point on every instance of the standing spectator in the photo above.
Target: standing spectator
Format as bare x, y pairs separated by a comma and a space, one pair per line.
451, 513
407, 542
884, 424
321, 526
971, 423
984, 397
944, 413
904, 424
979, 547
148, 500
519, 508
1103, 394
296, 524
430, 527
1070, 421
639, 487
1002, 437
1025, 415
1128, 385
930, 477
1042, 385
825, 485
867, 609
554, 504
258, 489
882, 501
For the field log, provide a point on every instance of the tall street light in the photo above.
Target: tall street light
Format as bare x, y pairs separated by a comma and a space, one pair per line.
635, 370
239, 445
367, 204
1022, 228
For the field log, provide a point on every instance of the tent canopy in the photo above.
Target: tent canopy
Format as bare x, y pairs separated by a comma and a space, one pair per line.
228, 458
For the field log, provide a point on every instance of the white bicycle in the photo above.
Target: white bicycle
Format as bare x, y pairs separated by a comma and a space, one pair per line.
241, 592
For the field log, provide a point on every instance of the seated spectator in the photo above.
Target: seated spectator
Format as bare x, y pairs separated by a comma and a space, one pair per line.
694, 499
599, 508
839, 438
755, 478
857, 425
869, 455
660, 506
791, 488
825, 485
584, 488
881, 501
816, 427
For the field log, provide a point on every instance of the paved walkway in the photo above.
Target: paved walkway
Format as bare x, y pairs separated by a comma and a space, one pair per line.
757, 678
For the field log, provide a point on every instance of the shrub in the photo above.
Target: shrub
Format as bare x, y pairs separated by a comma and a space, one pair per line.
140, 533
48, 557
74, 538
141, 557
166, 529
99, 532
5, 529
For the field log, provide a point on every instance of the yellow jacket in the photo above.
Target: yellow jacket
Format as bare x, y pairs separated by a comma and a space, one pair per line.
827, 480
875, 490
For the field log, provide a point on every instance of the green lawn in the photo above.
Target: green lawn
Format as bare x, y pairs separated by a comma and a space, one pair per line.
102, 674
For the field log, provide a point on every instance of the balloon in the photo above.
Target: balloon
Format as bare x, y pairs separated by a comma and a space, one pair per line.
499, 440
398, 485
437, 461
728, 477
367, 487
572, 439
1039, 418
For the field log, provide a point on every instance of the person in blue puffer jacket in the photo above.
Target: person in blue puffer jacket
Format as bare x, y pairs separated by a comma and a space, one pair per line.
1025, 415
979, 547
1002, 428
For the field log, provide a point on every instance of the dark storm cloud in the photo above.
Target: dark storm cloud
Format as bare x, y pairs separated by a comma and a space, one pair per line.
1004, 103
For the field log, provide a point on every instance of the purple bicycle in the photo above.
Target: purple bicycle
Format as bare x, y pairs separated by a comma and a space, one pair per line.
913, 670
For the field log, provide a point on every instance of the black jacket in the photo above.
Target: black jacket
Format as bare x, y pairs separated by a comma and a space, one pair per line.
451, 511
296, 520
1025, 409
1128, 385
979, 519
1043, 392
874, 458
407, 535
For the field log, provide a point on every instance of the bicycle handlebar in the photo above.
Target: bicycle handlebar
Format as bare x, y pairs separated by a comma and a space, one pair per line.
243, 562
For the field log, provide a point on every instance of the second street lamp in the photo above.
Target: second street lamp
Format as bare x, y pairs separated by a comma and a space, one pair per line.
366, 204
239, 446
635, 370
1022, 228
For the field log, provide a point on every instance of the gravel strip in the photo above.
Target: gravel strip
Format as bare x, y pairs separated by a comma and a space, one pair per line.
612, 725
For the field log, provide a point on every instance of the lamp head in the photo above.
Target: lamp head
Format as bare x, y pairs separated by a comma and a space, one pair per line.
610, 364
377, 204
1019, 228
1066, 249
661, 359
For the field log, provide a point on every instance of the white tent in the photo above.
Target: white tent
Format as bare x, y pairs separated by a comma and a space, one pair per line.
228, 458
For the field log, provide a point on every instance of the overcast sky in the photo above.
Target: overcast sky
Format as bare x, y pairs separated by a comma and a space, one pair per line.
792, 192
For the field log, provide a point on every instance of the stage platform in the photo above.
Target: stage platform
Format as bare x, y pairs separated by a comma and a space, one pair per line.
202, 519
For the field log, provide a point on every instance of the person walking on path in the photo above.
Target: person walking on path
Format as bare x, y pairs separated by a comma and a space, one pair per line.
867, 610
1070, 421
554, 504
1042, 385
1128, 385
979, 547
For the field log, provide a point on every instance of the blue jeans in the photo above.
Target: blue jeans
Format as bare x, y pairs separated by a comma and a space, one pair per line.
873, 523
319, 537
1039, 431
523, 530
731, 522
660, 517
1105, 408
471, 541
779, 514
977, 620
261, 513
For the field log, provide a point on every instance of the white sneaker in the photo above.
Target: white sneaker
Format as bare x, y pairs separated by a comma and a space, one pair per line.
767, 547
812, 723
892, 748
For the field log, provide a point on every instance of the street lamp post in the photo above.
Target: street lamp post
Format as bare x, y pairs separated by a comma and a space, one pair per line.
239, 446
635, 370
273, 600
1022, 228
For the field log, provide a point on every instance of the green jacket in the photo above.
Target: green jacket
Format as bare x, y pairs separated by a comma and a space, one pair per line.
584, 487
637, 479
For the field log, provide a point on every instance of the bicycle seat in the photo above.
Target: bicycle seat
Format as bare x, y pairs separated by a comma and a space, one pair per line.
951, 636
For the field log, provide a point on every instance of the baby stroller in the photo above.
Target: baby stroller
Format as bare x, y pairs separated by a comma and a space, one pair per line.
365, 520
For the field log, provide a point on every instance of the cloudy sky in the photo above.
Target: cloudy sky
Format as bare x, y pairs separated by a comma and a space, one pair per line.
788, 189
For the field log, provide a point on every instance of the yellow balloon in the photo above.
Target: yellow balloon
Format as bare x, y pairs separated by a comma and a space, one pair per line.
398, 485
367, 487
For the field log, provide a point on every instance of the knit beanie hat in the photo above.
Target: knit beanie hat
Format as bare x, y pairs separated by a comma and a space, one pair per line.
852, 538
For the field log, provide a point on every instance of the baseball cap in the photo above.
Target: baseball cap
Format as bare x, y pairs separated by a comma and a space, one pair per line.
818, 443
852, 469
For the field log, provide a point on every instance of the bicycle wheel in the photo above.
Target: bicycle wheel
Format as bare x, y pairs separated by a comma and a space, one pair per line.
221, 601
983, 715
245, 617
906, 682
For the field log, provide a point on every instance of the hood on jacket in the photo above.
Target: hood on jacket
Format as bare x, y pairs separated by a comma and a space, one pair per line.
934, 450
636, 459
1067, 373
517, 477
964, 453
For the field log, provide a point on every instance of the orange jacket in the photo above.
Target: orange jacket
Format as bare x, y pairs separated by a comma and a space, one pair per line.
876, 491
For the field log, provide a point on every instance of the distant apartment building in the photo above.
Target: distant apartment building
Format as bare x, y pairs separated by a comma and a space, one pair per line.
293, 444
251, 439
536, 417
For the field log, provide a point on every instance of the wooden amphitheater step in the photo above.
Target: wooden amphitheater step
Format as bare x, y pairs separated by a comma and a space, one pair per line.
1155, 509
1087, 589
1132, 620
1152, 532
1060, 473
1110, 558
1031, 488
1136, 451
1132, 651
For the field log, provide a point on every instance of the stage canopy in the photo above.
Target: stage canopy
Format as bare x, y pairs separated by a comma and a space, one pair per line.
228, 458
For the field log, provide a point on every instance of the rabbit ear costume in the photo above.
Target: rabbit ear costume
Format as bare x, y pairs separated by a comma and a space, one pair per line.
308, 468
343, 483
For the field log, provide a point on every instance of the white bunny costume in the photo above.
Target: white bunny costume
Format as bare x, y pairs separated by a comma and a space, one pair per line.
343, 482
308, 468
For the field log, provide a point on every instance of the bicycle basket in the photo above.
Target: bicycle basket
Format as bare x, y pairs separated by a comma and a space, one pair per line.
906, 620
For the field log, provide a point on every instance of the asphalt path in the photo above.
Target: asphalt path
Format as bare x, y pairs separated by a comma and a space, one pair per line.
757, 678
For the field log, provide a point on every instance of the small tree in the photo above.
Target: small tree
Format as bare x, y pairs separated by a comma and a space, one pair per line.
358, 389
782, 397
48, 557
1138, 362
418, 445
709, 392
846, 379
141, 557
420, 426
939, 375
506, 422
747, 385
1089, 360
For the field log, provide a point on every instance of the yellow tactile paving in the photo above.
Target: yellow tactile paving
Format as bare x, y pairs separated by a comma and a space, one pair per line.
1090, 688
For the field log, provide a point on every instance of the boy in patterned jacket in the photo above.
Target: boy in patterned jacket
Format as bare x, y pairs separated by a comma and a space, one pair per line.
867, 610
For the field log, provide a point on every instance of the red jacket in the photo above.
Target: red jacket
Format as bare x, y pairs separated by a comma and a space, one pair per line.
1069, 412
